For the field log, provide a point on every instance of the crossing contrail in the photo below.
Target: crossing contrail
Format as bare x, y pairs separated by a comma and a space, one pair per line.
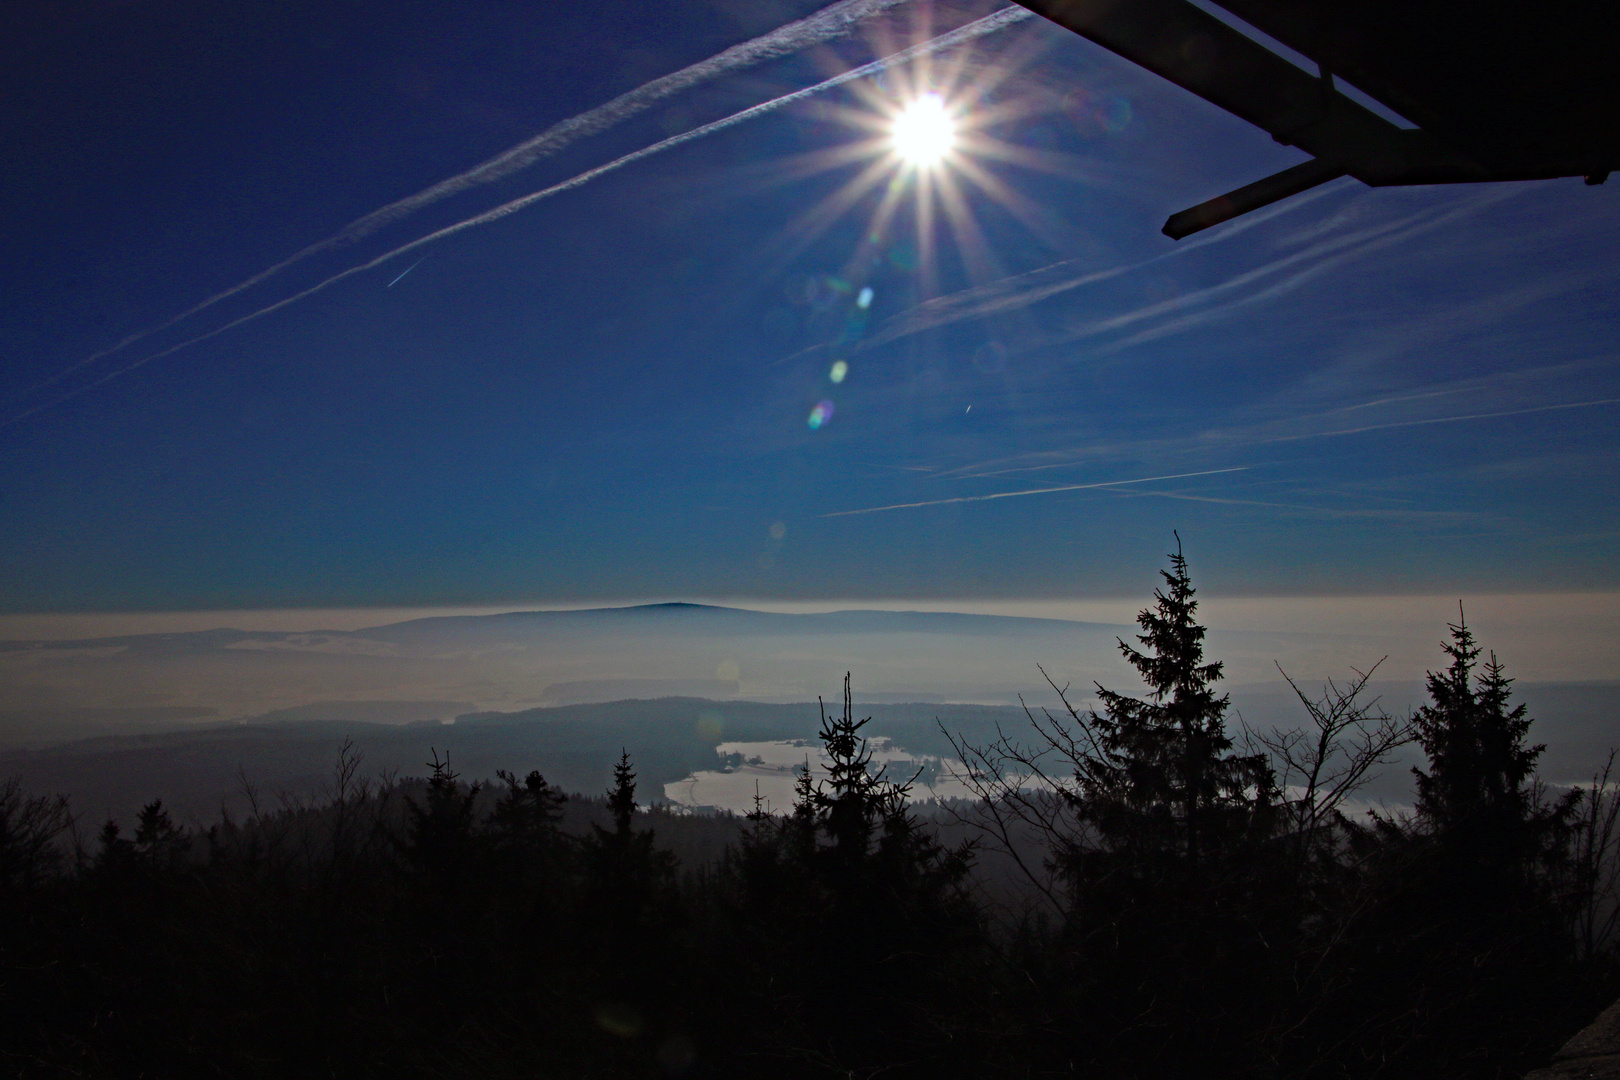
830, 23
408, 269
978, 28
1030, 491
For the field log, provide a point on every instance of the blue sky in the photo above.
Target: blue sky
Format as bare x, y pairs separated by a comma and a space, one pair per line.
606, 395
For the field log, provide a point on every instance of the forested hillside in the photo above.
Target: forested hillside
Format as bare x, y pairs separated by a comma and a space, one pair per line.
1145, 889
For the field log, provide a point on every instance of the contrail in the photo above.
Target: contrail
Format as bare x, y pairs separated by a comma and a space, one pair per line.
1031, 491
980, 27
825, 25
408, 269
1443, 420
1004, 295
1328, 255
1022, 290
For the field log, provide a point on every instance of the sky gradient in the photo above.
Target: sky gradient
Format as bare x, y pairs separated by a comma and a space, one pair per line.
613, 393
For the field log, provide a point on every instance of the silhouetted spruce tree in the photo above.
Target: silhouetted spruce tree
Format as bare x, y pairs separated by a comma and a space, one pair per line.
850, 879
158, 843
1163, 790
440, 847
156, 836
629, 877
528, 809
532, 870
1478, 799
622, 797
850, 842
523, 824
628, 916
1461, 942
872, 845
1492, 845
1177, 906
111, 847
444, 895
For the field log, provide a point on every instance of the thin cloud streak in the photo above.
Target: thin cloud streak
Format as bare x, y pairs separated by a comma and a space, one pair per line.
999, 296
1398, 400
1326, 256
1441, 517
408, 269
826, 25
1254, 435
1030, 491
979, 28
1317, 259
1013, 293
1440, 420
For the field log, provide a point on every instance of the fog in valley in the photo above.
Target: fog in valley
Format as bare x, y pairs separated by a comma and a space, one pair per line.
715, 703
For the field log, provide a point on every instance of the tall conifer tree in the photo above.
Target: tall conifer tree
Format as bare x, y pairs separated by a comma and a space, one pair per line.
1478, 797
1162, 786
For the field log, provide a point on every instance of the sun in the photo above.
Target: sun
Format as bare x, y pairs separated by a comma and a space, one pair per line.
924, 132
926, 141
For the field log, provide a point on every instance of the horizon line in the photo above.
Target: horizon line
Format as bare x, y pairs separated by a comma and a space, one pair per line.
1119, 609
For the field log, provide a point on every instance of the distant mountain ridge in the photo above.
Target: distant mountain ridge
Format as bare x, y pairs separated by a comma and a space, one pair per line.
441, 666
633, 617
523, 659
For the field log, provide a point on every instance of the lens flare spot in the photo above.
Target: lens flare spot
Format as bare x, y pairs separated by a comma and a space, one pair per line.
839, 370
990, 358
1097, 114
924, 132
864, 300
710, 726
620, 1020
822, 292
903, 257
820, 415
1115, 115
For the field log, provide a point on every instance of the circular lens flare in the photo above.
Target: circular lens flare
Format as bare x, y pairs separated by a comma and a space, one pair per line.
924, 132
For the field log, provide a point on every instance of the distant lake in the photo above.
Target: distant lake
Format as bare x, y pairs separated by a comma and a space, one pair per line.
770, 769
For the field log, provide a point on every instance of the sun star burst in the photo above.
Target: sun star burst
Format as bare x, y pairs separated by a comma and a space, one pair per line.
924, 132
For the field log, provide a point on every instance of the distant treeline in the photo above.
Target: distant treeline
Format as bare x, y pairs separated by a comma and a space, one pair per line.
1174, 896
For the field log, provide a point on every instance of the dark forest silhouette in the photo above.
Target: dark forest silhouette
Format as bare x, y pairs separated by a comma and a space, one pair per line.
1186, 897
